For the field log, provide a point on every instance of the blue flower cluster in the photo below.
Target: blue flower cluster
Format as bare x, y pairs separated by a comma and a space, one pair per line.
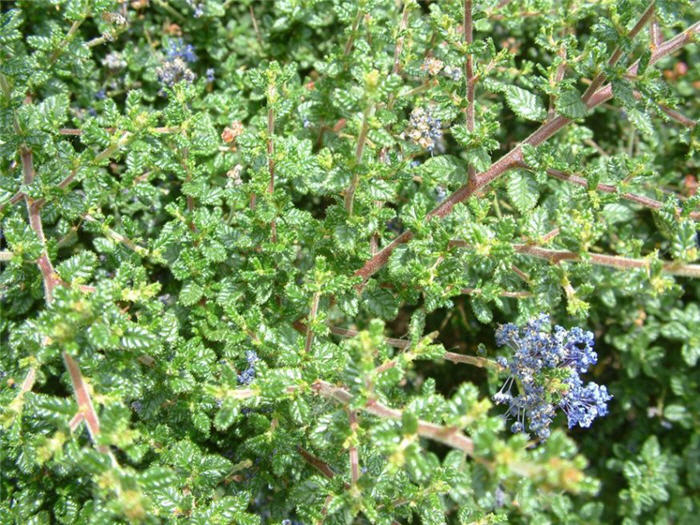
178, 49
247, 376
546, 367
174, 68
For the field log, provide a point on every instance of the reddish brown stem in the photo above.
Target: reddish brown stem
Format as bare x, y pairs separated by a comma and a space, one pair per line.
316, 463
613, 261
48, 274
609, 188
678, 117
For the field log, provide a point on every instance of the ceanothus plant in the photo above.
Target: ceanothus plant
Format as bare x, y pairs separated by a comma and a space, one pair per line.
281, 262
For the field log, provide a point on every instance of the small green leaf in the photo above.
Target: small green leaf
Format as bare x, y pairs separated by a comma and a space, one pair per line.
191, 293
525, 104
569, 103
523, 191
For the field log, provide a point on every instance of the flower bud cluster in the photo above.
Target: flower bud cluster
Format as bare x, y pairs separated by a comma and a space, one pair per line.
452, 72
247, 376
432, 66
174, 68
546, 367
424, 129
114, 61
197, 7
232, 132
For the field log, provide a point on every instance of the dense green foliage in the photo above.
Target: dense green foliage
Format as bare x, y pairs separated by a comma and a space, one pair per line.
254, 254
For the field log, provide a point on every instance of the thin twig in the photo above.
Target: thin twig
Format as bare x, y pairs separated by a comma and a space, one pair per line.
347, 332
361, 139
399, 41
481, 362
109, 232
609, 188
655, 33
48, 274
353, 31
678, 117
352, 451
450, 436
85, 407
173, 12
316, 463
503, 293
66, 40
473, 360
469, 74
258, 36
312, 317
612, 261
558, 77
77, 132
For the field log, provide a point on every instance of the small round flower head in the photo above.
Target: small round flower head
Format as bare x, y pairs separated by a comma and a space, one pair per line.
432, 65
440, 193
234, 175
114, 61
546, 365
114, 18
424, 129
454, 73
174, 71
232, 132
247, 376
395, 225
197, 7
210, 75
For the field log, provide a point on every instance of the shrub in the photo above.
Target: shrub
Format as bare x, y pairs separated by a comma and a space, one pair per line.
255, 257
